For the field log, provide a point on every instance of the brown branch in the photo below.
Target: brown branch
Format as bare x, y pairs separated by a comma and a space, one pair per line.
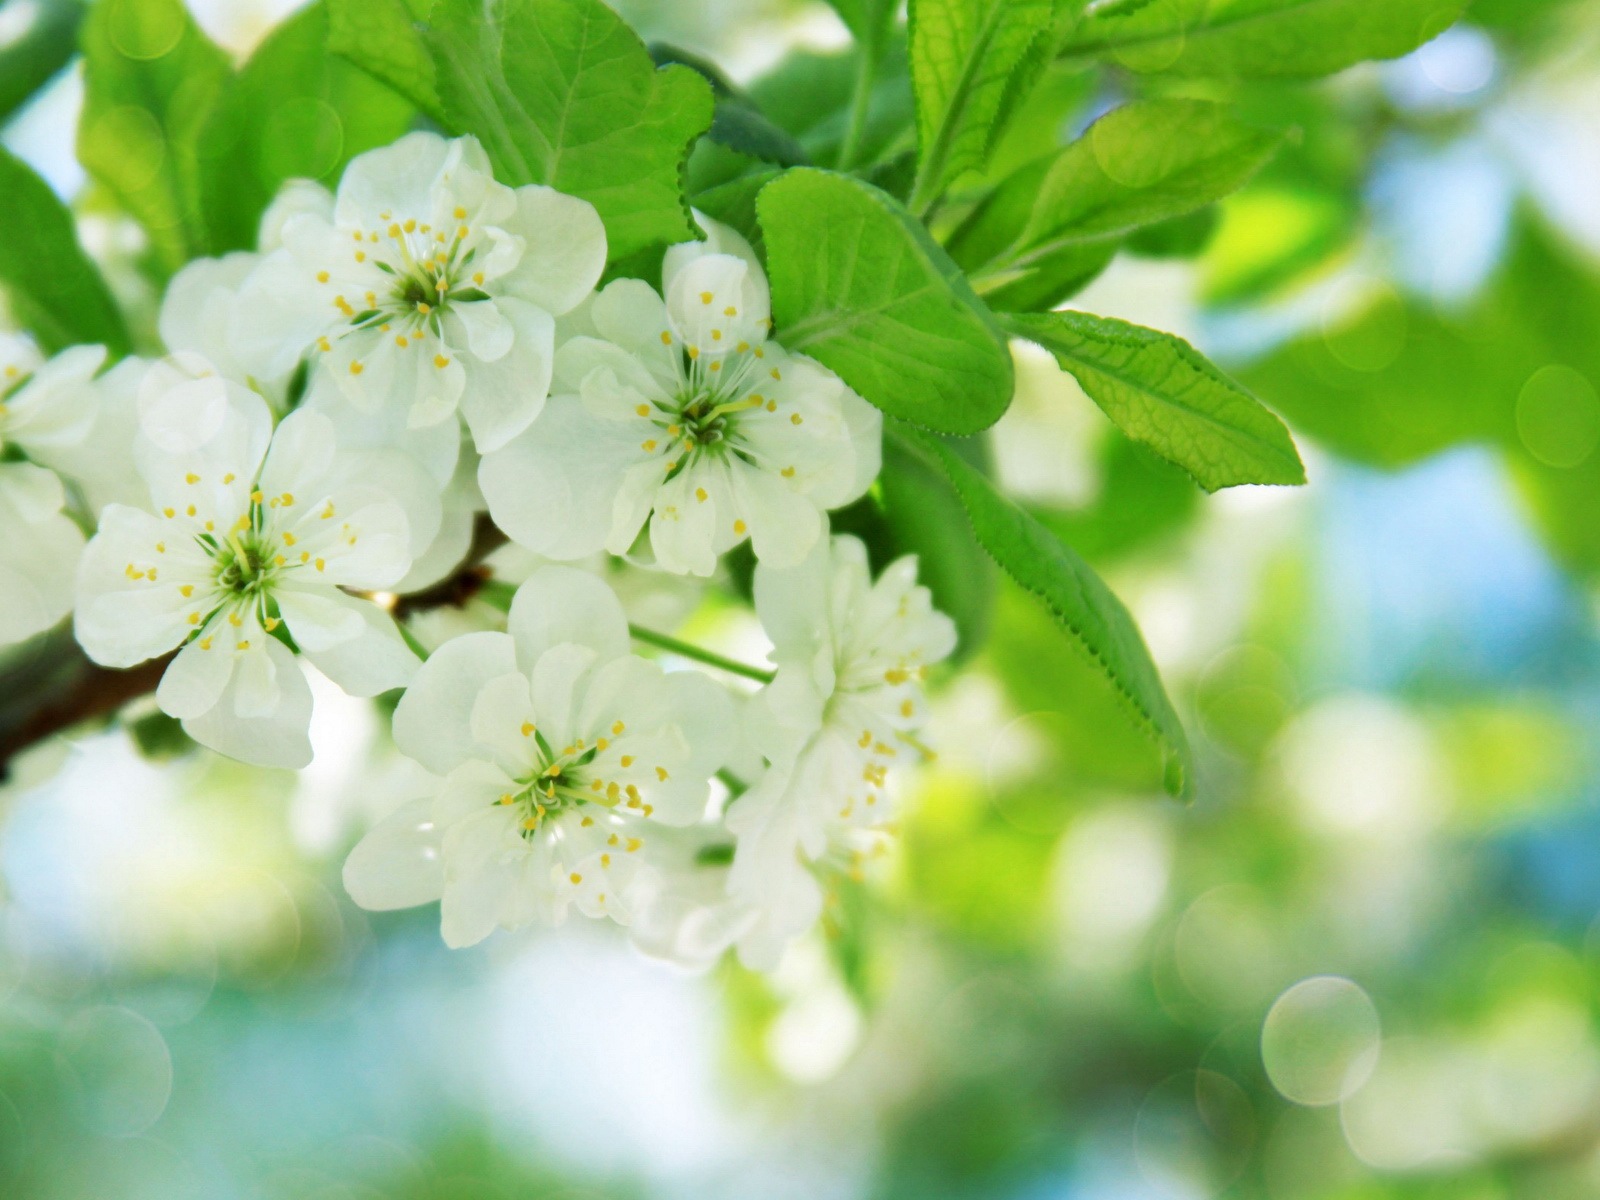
49, 686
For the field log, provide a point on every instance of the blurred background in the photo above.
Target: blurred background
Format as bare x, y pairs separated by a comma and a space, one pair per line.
1363, 965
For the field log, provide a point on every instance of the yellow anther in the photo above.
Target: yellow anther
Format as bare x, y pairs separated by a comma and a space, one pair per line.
424, 307
586, 822
596, 786
440, 361
461, 213
742, 347
661, 774
796, 419
787, 472
730, 311
235, 620
169, 513
666, 338
205, 643
601, 744
694, 352
186, 590
605, 860
705, 297
305, 557
402, 341
643, 410
272, 623
634, 843
895, 676
191, 478
616, 730
327, 513
528, 728
361, 256
322, 277
411, 225
288, 539
394, 231
229, 477
612, 791
772, 406
193, 618
190, 511
739, 528
700, 495
575, 877
865, 739
356, 368
161, 547
324, 345
627, 761
907, 708
776, 374
717, 366
255, 496
477, 278
716, 335
322, 564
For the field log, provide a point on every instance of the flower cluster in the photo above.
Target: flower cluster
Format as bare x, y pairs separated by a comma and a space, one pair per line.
333, 417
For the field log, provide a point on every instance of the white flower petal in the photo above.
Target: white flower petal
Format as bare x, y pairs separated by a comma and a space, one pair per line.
433, 723
398, 179
553, 488
398, 863
563, 605
505, 396
194, 681
374, 661
279, 738
566, 249
482, 326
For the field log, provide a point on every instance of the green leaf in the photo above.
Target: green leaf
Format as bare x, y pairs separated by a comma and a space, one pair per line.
925, 517
382, 38
1161, 391
963, 56
294, 111
870, 22
738, 123
28, 63
1084, 607
562, 92
810, 95
151, 79
859, 285
1139, 165
1258, 39
54, 290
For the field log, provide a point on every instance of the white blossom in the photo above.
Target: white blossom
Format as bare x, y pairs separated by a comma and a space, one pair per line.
681, 414
560, 754
844, 709
426, 285
46, 408
243, 531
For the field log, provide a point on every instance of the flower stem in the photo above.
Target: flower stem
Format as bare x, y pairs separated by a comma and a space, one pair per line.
711, 659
